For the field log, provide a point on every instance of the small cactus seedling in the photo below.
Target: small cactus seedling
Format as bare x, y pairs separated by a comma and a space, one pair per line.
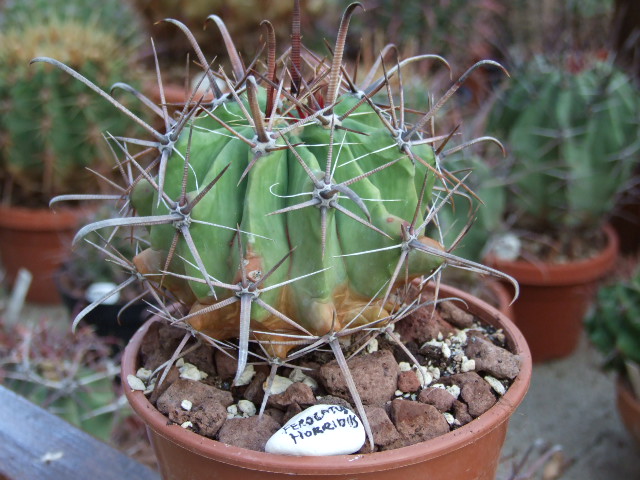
288, 207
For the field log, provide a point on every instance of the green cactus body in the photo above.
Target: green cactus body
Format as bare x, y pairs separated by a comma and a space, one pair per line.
614, 324
341, 286
287, 215
51, 127
574, 137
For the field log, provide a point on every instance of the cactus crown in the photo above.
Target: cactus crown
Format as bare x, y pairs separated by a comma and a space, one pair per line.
51, 128
285, 207
574, 135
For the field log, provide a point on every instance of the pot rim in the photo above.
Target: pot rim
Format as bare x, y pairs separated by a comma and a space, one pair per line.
41, 219
539, 273
355, 463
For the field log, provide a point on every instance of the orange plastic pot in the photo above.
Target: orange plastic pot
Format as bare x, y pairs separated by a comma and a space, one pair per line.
38, 240
629, 408
554, 298
470, 452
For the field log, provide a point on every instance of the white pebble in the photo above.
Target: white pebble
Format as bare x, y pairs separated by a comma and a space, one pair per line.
180, 362
496, 384
297, 375
446, 351
399, 393
372, 346
279, 385
423, 375
246, 376
453, 390
317, 431
135, 383
247, 408
232, 410
186, 405
449, 418
187, 424
468, 365
311, 383
461, 337
97, 290
404, 366
507, 247
191, 372
435, 372
144, 374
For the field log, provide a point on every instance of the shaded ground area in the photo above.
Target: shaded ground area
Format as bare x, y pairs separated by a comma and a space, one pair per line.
571, 403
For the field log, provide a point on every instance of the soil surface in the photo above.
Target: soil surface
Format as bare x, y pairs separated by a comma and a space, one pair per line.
449, 370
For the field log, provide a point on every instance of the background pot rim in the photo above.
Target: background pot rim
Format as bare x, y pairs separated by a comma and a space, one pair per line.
340, 464
569, 273
41, 219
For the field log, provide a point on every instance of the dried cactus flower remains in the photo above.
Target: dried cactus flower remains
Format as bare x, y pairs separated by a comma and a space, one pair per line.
285, 207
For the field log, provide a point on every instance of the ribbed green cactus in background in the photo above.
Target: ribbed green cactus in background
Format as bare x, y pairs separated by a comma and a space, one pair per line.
50, 128
614, 324
574, 134
286, 209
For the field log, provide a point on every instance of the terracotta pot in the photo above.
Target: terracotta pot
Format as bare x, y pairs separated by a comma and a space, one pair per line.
38, 240
503, 297
629, 408
554, 298
470, 452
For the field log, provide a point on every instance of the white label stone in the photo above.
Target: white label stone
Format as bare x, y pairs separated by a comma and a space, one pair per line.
319, 430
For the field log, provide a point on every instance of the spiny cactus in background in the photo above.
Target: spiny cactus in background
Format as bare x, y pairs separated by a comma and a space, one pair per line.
287, 210
574, 135
486, 210
50, 128
614, 324
70, 376
243, 18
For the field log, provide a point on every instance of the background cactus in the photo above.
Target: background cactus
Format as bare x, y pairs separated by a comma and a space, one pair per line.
613, 326
288, 210
573, 134
73, 377
242, 17
50, 128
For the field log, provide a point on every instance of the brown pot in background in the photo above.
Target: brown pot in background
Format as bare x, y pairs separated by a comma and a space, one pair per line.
38, 240
554, 298
471, 451
629, 408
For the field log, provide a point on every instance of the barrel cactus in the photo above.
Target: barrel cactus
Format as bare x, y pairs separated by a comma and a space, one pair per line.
613, 326
614, 323
50, 129
286, 208
574, 135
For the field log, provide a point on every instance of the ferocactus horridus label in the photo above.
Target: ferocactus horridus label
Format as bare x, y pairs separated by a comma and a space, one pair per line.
319, 430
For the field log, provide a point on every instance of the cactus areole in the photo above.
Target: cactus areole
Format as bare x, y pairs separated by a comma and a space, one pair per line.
289, 210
